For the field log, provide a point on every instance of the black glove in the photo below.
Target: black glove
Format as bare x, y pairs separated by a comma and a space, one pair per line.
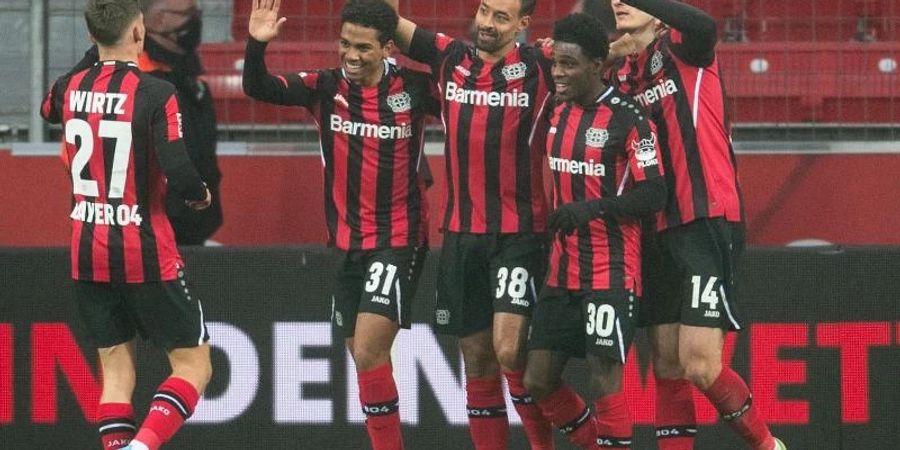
573, 215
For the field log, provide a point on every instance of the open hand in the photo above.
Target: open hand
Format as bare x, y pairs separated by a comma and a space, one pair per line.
264, 21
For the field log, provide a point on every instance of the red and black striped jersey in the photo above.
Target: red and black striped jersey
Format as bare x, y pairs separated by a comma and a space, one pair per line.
372, 142
123, 139
600, 152
687, 104
495, 119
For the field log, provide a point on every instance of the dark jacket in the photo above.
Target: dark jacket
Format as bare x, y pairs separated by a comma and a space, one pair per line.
200, 136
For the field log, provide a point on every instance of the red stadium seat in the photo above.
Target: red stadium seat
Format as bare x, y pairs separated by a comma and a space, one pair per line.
812, 82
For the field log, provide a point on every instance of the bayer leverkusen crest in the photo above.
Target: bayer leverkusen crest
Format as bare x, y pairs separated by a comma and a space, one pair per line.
596, 137
515, 71
399, 103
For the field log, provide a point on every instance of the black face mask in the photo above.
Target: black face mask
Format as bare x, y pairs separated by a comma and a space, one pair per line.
188, 35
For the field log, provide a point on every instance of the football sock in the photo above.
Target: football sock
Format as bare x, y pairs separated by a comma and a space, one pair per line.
172, 404
731, 397
537, 428
676, 419
380, 402
613, 421
568, 412
116, 424
486, 407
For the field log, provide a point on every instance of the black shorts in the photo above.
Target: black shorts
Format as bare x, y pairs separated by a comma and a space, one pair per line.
379, 281
600, 323
166, 313
689, 274
481, 274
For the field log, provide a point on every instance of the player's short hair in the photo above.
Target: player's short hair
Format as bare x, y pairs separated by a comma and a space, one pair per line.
527, 7
107, 20
375, 14
585, 31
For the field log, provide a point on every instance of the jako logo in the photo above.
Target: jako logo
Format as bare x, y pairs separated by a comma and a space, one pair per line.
663, 88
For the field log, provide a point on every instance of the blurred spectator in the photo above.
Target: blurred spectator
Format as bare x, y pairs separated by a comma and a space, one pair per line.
174, 28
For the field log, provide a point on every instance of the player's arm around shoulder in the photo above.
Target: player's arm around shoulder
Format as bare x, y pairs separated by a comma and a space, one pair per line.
405, 28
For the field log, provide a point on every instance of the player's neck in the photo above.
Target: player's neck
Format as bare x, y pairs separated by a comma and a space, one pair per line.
644, 36
119, 53
591, 97
493, 57
376, 76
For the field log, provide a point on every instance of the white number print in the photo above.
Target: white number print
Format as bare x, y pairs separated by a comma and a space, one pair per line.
514, 282
121, 132
601, 320
709, 295
376, 270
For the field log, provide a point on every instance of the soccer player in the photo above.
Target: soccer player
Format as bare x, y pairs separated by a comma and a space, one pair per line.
371, 122
672, 70
495, 97
123, 145
603, 154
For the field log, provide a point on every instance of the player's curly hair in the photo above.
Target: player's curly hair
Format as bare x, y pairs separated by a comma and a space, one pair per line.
584, 30
108, 19
375, 14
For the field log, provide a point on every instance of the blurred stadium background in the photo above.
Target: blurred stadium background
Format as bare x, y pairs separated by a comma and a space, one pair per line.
814, 92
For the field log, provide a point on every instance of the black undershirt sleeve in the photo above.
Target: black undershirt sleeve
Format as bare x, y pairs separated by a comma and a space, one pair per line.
173, 158
261, 85
422, 47
644, 198
696, 26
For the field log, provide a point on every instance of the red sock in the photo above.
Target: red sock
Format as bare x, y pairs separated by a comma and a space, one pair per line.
172, 404
116, 421
613, 421
487, 413
381, 405
731, 397
568, 412
676, 419
537, 428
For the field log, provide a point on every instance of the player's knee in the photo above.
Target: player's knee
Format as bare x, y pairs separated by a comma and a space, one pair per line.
509, 357
539, 385
368, 358
480, 360
668, 367
701, 372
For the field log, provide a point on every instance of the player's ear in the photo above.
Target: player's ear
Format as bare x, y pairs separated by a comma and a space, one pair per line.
598, 65
388, 48
138, 31
524, 23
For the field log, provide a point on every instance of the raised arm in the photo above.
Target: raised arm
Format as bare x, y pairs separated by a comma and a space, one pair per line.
405, 28
696, 26
258, 83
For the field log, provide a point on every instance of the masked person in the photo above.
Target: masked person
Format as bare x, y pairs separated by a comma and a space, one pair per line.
174, 29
